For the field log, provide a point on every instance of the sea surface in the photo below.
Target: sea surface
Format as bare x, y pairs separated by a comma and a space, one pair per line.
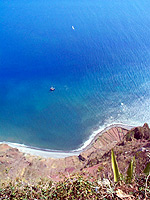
95, 53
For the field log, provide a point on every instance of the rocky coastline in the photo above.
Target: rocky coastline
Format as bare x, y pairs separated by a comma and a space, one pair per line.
48, 153
93, 159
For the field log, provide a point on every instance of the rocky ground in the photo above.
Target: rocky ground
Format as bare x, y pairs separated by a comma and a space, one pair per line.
94, 161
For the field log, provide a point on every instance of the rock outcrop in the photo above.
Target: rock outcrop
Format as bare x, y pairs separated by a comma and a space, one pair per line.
139, 133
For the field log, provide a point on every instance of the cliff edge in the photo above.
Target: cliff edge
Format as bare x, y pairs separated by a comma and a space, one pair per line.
95, 160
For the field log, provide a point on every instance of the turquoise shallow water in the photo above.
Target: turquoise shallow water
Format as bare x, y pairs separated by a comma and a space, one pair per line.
100, 69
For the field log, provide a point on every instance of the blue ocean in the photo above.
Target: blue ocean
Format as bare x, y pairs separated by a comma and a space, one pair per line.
95, 53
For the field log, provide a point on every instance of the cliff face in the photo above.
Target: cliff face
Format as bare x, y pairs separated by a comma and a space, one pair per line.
95, 160
135, 142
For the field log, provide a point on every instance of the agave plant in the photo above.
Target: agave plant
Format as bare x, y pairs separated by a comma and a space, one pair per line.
117, 174
147, 169
130, 170
115, 167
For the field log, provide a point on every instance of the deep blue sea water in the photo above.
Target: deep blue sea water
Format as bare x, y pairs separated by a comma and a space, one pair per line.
100, 69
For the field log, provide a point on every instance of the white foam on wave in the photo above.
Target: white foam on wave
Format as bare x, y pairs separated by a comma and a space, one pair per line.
128, 117
100, 131
48, 153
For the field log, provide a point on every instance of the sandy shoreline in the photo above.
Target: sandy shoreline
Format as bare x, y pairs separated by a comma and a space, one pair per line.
47, 153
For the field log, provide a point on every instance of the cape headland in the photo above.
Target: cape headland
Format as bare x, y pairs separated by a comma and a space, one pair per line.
95, 157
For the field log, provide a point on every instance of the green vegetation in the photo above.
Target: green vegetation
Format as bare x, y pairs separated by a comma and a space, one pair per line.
115, 167
117, 175
130, 170
147, 169
79, 187
76, 187
145, 188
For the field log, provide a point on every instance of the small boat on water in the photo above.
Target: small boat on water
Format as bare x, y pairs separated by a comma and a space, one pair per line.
52, 89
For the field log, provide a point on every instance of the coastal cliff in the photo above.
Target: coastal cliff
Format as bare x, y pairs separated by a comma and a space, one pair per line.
95, 160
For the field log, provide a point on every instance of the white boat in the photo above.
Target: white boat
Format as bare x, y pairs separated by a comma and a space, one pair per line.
52, 89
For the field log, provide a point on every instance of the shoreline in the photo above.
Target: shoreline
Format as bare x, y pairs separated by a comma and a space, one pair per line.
48, 153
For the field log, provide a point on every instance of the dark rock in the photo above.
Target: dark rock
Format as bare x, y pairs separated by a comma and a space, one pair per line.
139, 133
146, 131
81, 158
121, 144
